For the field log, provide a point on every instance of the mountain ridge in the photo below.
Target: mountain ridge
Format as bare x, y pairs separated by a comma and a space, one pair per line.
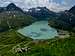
10, 7
41, 13
66, 20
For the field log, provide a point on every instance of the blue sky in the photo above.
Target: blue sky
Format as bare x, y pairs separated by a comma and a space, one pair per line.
54, 5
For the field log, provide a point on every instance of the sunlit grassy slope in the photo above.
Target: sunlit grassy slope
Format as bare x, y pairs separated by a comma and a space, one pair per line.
60, 47
11, 40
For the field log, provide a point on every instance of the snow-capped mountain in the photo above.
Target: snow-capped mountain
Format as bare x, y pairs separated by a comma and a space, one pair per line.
41, 13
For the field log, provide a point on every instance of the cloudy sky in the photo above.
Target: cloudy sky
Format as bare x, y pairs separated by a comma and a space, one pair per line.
54, 5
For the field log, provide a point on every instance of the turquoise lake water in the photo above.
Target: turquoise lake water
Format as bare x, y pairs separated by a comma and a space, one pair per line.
39, 30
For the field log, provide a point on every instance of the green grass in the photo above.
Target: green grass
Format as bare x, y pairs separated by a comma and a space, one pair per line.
60, 47
10, 39
53, 47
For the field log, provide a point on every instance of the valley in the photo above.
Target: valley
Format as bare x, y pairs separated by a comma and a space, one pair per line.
37, 32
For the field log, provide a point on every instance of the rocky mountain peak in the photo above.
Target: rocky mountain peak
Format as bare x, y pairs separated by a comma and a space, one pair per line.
72, 10
11, 5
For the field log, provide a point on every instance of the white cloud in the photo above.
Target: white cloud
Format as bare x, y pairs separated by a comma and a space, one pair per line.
58, 7
26, 4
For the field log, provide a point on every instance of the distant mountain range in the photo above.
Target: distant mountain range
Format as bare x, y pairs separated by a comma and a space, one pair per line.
41, 13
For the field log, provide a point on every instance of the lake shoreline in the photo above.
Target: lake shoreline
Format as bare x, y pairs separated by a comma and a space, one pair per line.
39, 30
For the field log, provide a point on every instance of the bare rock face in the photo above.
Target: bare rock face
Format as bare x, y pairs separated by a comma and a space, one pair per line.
21, 50
41, 13
72, 10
